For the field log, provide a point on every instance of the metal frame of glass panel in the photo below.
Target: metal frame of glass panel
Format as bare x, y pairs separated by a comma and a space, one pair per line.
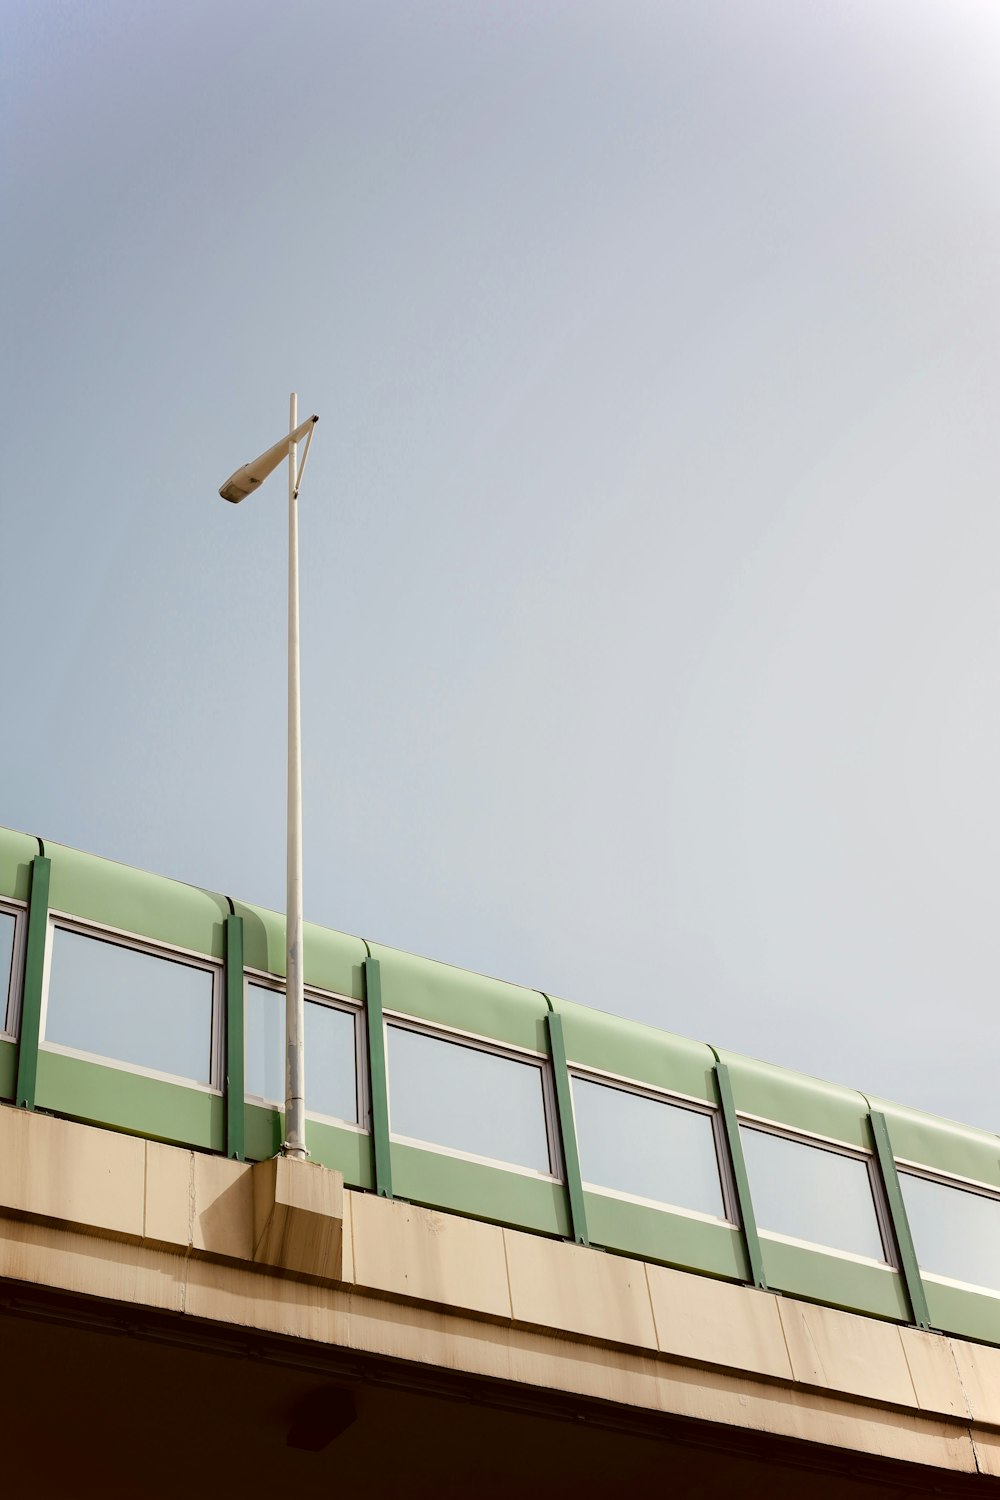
115, 937
477, 1043
836, 1148
10, 1017
334, 1001
677, 1101
975, 1188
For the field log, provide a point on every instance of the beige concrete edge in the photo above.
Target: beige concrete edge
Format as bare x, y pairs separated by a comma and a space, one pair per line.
648, 1381
978, 1368
347, 1318
223, 1212
987, 1450
419, 1255
283, 1247
176, 1253
416, 1295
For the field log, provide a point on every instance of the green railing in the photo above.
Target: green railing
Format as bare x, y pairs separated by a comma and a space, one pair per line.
117, 1098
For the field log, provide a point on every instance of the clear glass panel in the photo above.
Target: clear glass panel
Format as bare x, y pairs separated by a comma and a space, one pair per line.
811, 1194
955, 1233
264, 1058
331, 1059
331, 1062
6, 964
467, 1099
646, 1147
131, 1006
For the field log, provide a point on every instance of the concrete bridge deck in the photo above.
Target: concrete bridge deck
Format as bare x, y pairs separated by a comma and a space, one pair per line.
171, 1317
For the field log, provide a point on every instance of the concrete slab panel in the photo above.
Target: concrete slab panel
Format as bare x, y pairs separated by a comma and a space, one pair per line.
979, 1371
987, 1446
425, 1335
717, 1323
60, 1170
407, 1251
814, 1416
844, 1352
577, 1290
256, 1299
605, 1374
934, 1373
50, 1256
169, 1195
222, 1207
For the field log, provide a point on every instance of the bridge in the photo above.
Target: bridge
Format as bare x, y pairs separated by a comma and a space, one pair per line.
536, 1246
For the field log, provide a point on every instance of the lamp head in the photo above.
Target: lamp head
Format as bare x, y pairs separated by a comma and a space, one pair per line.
251, 476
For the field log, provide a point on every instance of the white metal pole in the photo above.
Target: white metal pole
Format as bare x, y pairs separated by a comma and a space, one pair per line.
295, 1105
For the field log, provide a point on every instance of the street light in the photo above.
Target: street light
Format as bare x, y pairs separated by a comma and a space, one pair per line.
236, 488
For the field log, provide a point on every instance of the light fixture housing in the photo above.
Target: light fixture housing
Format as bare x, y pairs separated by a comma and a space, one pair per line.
251, 476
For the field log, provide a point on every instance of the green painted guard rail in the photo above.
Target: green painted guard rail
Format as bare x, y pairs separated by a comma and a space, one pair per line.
908, 1263
235, 1041
234, 1102
34, 966
378, 1079
567, 1126
731, 1128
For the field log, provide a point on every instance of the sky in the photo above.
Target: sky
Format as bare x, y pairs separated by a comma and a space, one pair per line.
650, 537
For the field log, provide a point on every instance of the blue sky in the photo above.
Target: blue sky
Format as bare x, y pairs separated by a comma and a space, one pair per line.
650, 535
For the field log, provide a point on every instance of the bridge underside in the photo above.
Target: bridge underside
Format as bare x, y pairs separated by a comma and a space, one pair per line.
121, 1402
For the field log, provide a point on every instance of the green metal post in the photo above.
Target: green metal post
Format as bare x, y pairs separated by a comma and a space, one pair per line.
31, 994
567, 1128
908, 1262
378, 1079
731, 1125
235, 1043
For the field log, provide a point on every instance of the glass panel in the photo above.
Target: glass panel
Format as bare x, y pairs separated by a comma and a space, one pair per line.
467, 1099
6, 964
331, 1060
265, 1043
811, 1194
955, 1233
131, 1006
647, 1148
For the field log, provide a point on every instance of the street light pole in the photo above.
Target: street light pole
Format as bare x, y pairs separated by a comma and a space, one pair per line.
236, 488
295, 1086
